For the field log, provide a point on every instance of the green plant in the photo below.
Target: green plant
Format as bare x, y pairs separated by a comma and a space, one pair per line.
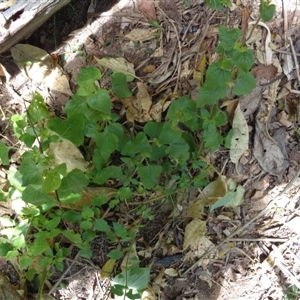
292, 293
51, 194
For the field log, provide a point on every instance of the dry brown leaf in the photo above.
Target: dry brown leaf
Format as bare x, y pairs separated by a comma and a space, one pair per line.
38, 65
264, 72
194, 231
149, 69
170, 9
271, 157
147, 7
141, 34
240, 135
249, 103
245, 19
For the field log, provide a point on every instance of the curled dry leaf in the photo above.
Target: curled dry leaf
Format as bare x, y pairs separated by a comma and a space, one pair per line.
38, 65
240, 136
147, 7
249, 103
271, 157
193, 233
264, 72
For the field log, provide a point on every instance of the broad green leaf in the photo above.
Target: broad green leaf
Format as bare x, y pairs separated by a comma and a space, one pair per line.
244, 83
52, 224
70, 129
87, 212
100, 101
244, 59
88, 235
212, 139
51, 182
86, 80
140, 145
228, 38
218, 75
72, 186
37, 109
28, 139
149, 175
266, 10
179, 150
108, 173
85, 225
169, 134
4, 150
120, 86
5, 248
72, 216
38, 247
218, 117
12, 254
183, 110
33, 194
72, 236
86, 252
31, 174
115, 254
77, 106
107, 143
153, 129
209, 95
136, 279
25, 261
44, 262
101, 225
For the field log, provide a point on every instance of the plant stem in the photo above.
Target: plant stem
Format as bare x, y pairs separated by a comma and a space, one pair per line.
254, 26
41, 287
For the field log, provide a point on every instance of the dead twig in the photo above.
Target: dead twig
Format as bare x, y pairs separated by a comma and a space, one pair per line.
244, 227
295, 59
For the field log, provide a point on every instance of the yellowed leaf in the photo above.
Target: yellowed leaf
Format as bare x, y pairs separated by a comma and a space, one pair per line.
38, 65
193, 233
214, 191
141, 35
171, 272
119, 64
240, 136
195, 209
108, 268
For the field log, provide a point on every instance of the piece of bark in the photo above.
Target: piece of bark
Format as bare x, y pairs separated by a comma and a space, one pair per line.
23, 18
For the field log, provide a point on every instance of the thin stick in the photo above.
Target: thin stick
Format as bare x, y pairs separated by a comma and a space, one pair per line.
241, 229
63, 275
259, 240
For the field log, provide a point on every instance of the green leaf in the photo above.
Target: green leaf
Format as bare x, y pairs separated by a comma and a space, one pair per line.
25, 261
86, 252
218, 75
72, 216
72, 186
70, 129
4, 150
89, 235
179, 151
266, 10
108, 173
51, 182
136, 279
5, 248
85, 225
115, 254
37, 109
169, 134
86, 80
38, 247
215, 4
52, 224
77, 106
107, 143
100, 101
71, 236
33, 194
153, 129
101, 225
218, 117
183, 110
212, 139
87, 212
30, 172
244, 59
228, 38
139, 145
149, 175
120, 86
244, 83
